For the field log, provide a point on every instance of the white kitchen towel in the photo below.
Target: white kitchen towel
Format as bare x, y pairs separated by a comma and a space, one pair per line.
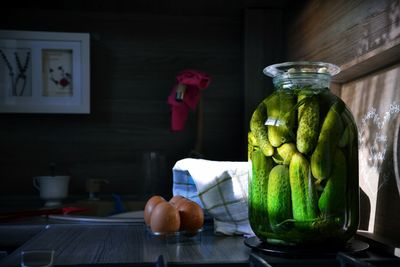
220, 187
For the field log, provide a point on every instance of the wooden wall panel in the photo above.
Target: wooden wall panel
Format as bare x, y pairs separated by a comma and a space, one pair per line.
346, 33
375, 103
134, 60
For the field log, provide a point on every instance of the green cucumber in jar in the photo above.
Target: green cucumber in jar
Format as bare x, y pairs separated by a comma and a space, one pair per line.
332, 200
251, 144
323, 155
308, 123
279, 200
304, 197
281, 118
258, 190
284, 153
260, 130
347, 136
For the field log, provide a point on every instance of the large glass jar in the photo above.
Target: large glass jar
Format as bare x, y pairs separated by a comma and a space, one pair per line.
303, 187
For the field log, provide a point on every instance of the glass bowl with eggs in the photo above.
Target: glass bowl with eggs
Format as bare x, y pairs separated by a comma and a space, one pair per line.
174, 219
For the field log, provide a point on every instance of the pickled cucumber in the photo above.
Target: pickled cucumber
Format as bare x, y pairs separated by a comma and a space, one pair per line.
251, 144
281, 118
304, 197
279, 202
332, 200
308, 123
258, 189
260, 131
347, 136
284, 153
331, 131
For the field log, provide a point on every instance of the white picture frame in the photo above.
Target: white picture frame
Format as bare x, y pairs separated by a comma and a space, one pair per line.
44, 72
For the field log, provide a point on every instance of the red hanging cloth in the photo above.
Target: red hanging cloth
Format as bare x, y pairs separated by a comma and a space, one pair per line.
186, 94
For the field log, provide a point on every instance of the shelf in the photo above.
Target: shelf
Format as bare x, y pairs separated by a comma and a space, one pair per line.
380, 57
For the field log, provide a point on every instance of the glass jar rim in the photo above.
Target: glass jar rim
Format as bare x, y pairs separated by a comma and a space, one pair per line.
301, 67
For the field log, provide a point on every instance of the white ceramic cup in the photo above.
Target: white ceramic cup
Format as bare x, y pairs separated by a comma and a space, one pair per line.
52, 188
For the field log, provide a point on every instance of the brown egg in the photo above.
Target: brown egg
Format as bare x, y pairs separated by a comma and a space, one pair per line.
150, 205
192, 216
165, 218
175, 200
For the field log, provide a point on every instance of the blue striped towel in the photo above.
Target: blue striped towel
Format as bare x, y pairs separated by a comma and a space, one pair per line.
220, 188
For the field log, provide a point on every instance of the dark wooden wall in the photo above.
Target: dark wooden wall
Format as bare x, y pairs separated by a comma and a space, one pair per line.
363, 38
135, 54
134, 59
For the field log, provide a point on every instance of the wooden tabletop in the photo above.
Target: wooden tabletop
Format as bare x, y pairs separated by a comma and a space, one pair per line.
129, 243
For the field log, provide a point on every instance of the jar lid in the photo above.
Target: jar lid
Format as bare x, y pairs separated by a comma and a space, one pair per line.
301, 67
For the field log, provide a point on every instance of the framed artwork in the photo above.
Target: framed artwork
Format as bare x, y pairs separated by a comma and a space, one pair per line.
44, 72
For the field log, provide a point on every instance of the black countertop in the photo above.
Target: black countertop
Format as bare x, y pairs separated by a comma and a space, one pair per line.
120, 243
132, 244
